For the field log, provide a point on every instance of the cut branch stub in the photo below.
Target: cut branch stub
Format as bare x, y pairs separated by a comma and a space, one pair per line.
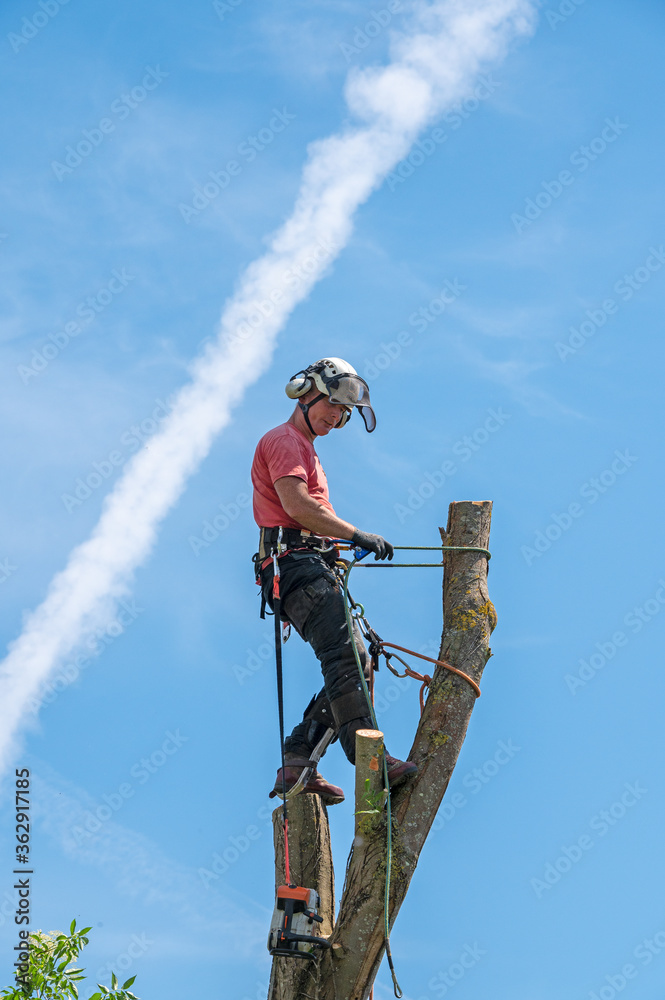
369, 779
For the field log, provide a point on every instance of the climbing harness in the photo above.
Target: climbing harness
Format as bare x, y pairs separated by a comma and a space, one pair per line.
279, 542
295, 909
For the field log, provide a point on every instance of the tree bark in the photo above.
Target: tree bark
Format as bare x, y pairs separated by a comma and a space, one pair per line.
347, 971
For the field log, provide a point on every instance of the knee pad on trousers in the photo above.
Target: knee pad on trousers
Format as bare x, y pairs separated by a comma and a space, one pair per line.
318, 719
350, 706
318, 710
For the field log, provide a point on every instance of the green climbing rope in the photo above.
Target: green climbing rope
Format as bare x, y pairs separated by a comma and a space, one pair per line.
424, 548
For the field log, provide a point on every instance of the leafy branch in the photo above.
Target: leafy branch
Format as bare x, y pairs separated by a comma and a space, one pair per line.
374, 800
50, 974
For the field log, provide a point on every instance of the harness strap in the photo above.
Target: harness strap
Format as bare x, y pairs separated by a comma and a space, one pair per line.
302, 762
291, 538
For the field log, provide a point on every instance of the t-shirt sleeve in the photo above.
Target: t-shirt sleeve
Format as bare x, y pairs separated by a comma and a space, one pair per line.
285, 456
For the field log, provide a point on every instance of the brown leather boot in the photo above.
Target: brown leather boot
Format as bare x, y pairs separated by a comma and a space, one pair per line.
399, 770
316, 784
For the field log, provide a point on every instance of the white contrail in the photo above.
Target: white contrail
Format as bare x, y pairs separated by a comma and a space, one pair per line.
434, 65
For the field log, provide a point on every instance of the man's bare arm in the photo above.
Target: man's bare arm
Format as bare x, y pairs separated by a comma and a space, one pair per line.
299, 505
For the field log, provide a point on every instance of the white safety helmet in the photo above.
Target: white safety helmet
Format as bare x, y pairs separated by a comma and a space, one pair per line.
338, 380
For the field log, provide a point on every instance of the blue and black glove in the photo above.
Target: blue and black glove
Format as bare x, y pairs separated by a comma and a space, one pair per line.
374, 543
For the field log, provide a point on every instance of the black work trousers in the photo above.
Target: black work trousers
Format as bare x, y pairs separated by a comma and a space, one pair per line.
312, 599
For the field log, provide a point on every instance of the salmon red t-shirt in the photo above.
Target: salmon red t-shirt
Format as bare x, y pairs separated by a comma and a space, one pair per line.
285, 451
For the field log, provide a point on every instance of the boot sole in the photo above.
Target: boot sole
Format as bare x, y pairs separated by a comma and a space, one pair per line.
329, 800
401, 778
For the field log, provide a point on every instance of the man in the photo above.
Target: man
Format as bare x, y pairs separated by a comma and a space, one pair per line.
291, 494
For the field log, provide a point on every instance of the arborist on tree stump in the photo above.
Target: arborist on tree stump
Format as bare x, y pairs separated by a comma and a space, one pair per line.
291, 493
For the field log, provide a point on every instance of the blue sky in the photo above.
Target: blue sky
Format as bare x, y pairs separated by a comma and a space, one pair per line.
502, 292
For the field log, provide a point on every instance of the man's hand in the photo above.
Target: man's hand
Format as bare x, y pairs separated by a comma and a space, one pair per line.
375, 543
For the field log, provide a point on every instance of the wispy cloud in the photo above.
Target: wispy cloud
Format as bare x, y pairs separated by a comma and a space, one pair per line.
521, 322
515, 375
140, 869
434, 64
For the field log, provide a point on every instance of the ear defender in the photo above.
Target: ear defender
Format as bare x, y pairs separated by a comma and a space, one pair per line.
297, 387
340, 383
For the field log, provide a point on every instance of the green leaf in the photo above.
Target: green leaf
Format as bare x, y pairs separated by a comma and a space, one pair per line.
96, 996
114, 981
129, 982
72, 927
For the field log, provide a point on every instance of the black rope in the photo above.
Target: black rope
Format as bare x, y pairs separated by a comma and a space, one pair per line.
280, 696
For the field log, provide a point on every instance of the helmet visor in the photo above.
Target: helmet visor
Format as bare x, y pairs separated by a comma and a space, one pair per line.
352, 390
